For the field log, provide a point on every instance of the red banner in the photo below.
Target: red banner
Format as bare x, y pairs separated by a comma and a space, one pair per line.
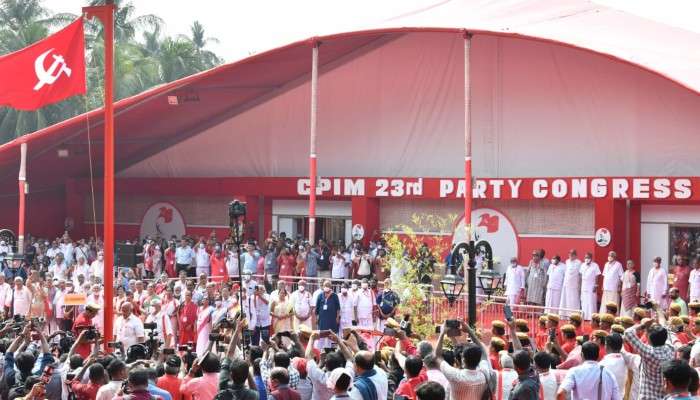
48, 71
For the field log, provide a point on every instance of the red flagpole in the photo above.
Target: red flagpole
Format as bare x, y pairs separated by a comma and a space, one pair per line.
106, 15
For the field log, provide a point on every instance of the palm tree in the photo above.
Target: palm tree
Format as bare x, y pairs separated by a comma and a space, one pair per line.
208, 58
178, 58
125, 23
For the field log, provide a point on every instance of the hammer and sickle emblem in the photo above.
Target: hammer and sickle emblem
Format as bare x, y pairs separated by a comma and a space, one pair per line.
48, 77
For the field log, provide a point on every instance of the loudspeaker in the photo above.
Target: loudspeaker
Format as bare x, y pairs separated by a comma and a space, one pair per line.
125, 255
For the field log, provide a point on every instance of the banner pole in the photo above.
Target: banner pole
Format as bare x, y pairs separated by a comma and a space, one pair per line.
22, 179
468, 266
312, 144
106, 15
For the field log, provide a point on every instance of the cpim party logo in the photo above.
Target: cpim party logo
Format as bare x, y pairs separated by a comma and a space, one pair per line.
494, 227
163, 220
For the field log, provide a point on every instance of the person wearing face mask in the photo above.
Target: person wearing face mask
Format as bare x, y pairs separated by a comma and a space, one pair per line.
97, 266
612, 279
202, 259
514, 282
164, 325
589, 277
301, 303
555, 281
219, 272
657, 283
347, 311
571, 287
387, 301
630, 290
364, 305
328, 312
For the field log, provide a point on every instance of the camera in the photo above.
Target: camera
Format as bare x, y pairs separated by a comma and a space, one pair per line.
214, 337
167, 351
453, 324
226, 324
114, 345
90, 333
150, 325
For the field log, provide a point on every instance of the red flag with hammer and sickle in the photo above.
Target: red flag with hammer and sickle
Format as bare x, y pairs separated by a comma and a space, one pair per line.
48, 71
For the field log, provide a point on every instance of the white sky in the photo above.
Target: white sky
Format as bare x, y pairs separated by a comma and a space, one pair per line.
247, 26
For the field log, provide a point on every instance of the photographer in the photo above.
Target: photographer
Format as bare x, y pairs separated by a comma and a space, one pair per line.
84, 323
88, 391
137, 385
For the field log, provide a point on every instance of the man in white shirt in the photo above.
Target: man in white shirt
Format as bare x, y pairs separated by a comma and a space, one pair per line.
555, 281
347, 308
657, 283
183, 258
202, 259
612, 281
5, 292
614, 362
98, 266
164, 326
364, 306
548, 380
5, 248
232, 261
694, 283
52, 251
128, 329
589, 380
571, 288
514, 282
81, 268
589, 277
364, 366
59, 268
117, 372
302, 305
263, 320
68, 250
20, 299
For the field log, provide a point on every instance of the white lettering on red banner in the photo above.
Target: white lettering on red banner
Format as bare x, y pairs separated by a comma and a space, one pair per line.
520, 188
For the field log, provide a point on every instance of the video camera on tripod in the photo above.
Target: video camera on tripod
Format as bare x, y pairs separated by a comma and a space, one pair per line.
153, 343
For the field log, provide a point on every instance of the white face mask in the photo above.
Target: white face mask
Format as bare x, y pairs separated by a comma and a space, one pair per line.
365, 286
587, 260
100, 257
344, 291
327, 289
201, 246
353, 286
301, 288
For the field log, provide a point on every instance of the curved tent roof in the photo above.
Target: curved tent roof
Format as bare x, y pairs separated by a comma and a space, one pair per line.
147, 125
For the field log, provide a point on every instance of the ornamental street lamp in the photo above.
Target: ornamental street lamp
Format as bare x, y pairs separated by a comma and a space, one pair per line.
236, 214
489, 280
452, 284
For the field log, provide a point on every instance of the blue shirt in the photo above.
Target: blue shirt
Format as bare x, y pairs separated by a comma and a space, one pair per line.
261, 387
387, 301
312, 263
249, 262
156, 391
10, 377
327, 310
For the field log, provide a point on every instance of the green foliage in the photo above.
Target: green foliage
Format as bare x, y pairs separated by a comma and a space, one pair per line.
403, 253
139, 63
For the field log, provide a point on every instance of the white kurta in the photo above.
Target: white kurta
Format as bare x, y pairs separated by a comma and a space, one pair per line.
514, 283
301, 303
365, 305
97, 269
589, 276
612, 277
346, 310
20, 301
232, 263
555, 274
202, 259
571, 286
657, 284
694, 285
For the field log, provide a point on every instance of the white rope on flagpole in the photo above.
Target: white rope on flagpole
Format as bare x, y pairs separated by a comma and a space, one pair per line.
92, 183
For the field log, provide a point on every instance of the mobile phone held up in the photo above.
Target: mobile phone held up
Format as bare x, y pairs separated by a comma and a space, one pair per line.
507, 312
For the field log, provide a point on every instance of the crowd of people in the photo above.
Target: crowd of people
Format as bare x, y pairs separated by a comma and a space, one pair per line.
187, 328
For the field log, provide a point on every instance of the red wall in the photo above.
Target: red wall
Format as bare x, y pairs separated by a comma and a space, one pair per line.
552, 247
44, 213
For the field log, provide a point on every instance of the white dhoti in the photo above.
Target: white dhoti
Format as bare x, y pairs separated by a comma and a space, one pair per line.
368, 324
609, 296
552, 300
570, 299
203, 340
512, 298
588, 303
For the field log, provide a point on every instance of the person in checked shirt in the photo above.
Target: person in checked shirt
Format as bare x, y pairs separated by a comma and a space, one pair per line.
653, 355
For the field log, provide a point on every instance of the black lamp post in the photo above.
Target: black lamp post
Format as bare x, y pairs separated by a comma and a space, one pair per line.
451, 282
489, 280
236, 214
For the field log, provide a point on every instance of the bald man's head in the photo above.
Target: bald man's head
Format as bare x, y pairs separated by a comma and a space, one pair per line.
364, 361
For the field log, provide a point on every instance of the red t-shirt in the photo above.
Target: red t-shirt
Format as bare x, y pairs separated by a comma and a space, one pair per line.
171, 384
80, 324
407, 387
85, 391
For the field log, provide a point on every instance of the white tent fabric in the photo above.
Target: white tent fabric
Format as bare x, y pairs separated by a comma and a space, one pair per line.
539, 109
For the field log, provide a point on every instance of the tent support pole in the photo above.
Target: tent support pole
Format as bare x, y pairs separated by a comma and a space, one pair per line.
312, 144
22, 192
105, 14
471, 304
